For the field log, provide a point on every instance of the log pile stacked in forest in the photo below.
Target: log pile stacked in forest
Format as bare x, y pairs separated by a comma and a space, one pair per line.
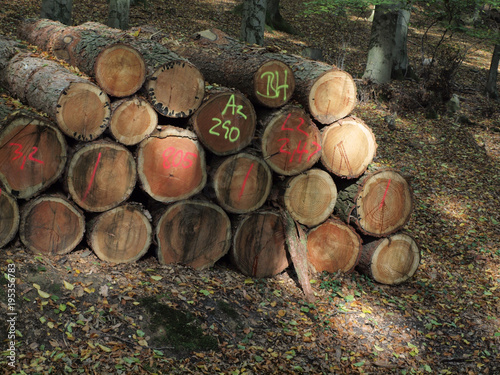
264, 160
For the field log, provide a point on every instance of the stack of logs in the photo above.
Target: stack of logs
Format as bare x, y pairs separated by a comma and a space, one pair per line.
136, 149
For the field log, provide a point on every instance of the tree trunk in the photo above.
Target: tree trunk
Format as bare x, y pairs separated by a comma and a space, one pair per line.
225, 122
9, 217
310, 196
349, 146
118, 14
333, 246
291, 142
32, 154
382, 41
274, 18
253, 23
400, 64
132, 120
118, 67
241, 183
379, 204
171, 164
120, 235
79, 107
491, 85
259, 244
101, 175
51, 225
57, 10
391, 260
228, 62
194, 233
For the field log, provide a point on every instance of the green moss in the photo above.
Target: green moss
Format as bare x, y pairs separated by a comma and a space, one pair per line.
176, 328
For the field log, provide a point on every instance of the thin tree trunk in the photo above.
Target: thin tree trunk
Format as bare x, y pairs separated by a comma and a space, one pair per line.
57, 10
118, 16
400, 64
491, 85
254, 21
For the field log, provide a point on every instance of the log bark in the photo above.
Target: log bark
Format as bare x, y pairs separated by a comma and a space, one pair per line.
9, 217
101, 175
242, 183
171, 164
333, 246
51, 225
80, 108
259, 248
225, 122
266, 80
194, 233
349, 146
379, 204
32, 154
122, 234
310, 197
132, 120
392, 260
291, 142
118, 67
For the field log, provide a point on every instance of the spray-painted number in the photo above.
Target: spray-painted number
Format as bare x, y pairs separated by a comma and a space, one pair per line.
298, 150
19, 154
232, 132
179, 158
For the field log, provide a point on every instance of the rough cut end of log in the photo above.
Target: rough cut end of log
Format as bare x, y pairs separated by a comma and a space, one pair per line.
274, 84
383, 204
176, 89
171, 164
242, 183
32, 154
9, 218
225, 122
101, 175
333, 246
120, 235
83, 111
391, 260
51, 225
120, 70
259, 245
332, 96
193, 233
132, 120
310, 197
291, 143
349, 146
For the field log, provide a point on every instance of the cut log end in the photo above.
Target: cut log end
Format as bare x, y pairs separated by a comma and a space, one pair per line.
225, 123
349, 146
310, 197
274, 84
332, 96
259, 245
391, 260
120, 70
83, 111
333, 246
176, 89
242, 183
51, 225
9, 218
132, 120
120, 235
193, 233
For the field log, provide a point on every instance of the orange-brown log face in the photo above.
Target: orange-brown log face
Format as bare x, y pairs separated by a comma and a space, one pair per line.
29, 156
172, 166
274, 84
293, 143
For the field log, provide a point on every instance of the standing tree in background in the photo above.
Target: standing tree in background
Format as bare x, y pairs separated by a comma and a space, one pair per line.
491, 84
57, 10
253, 22
118, 15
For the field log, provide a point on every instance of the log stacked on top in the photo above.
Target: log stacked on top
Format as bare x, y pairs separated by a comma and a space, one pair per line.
271, 136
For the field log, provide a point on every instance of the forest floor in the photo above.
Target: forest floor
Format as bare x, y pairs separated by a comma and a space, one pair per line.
77, 314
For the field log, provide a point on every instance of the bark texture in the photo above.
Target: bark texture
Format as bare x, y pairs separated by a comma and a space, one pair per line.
9, 218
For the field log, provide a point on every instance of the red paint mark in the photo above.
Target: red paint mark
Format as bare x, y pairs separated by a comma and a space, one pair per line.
92, 178
183, 159
286, 120
385, 194
255, 265
318, 149
343, 156
245, 182
300, 130
19, 154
